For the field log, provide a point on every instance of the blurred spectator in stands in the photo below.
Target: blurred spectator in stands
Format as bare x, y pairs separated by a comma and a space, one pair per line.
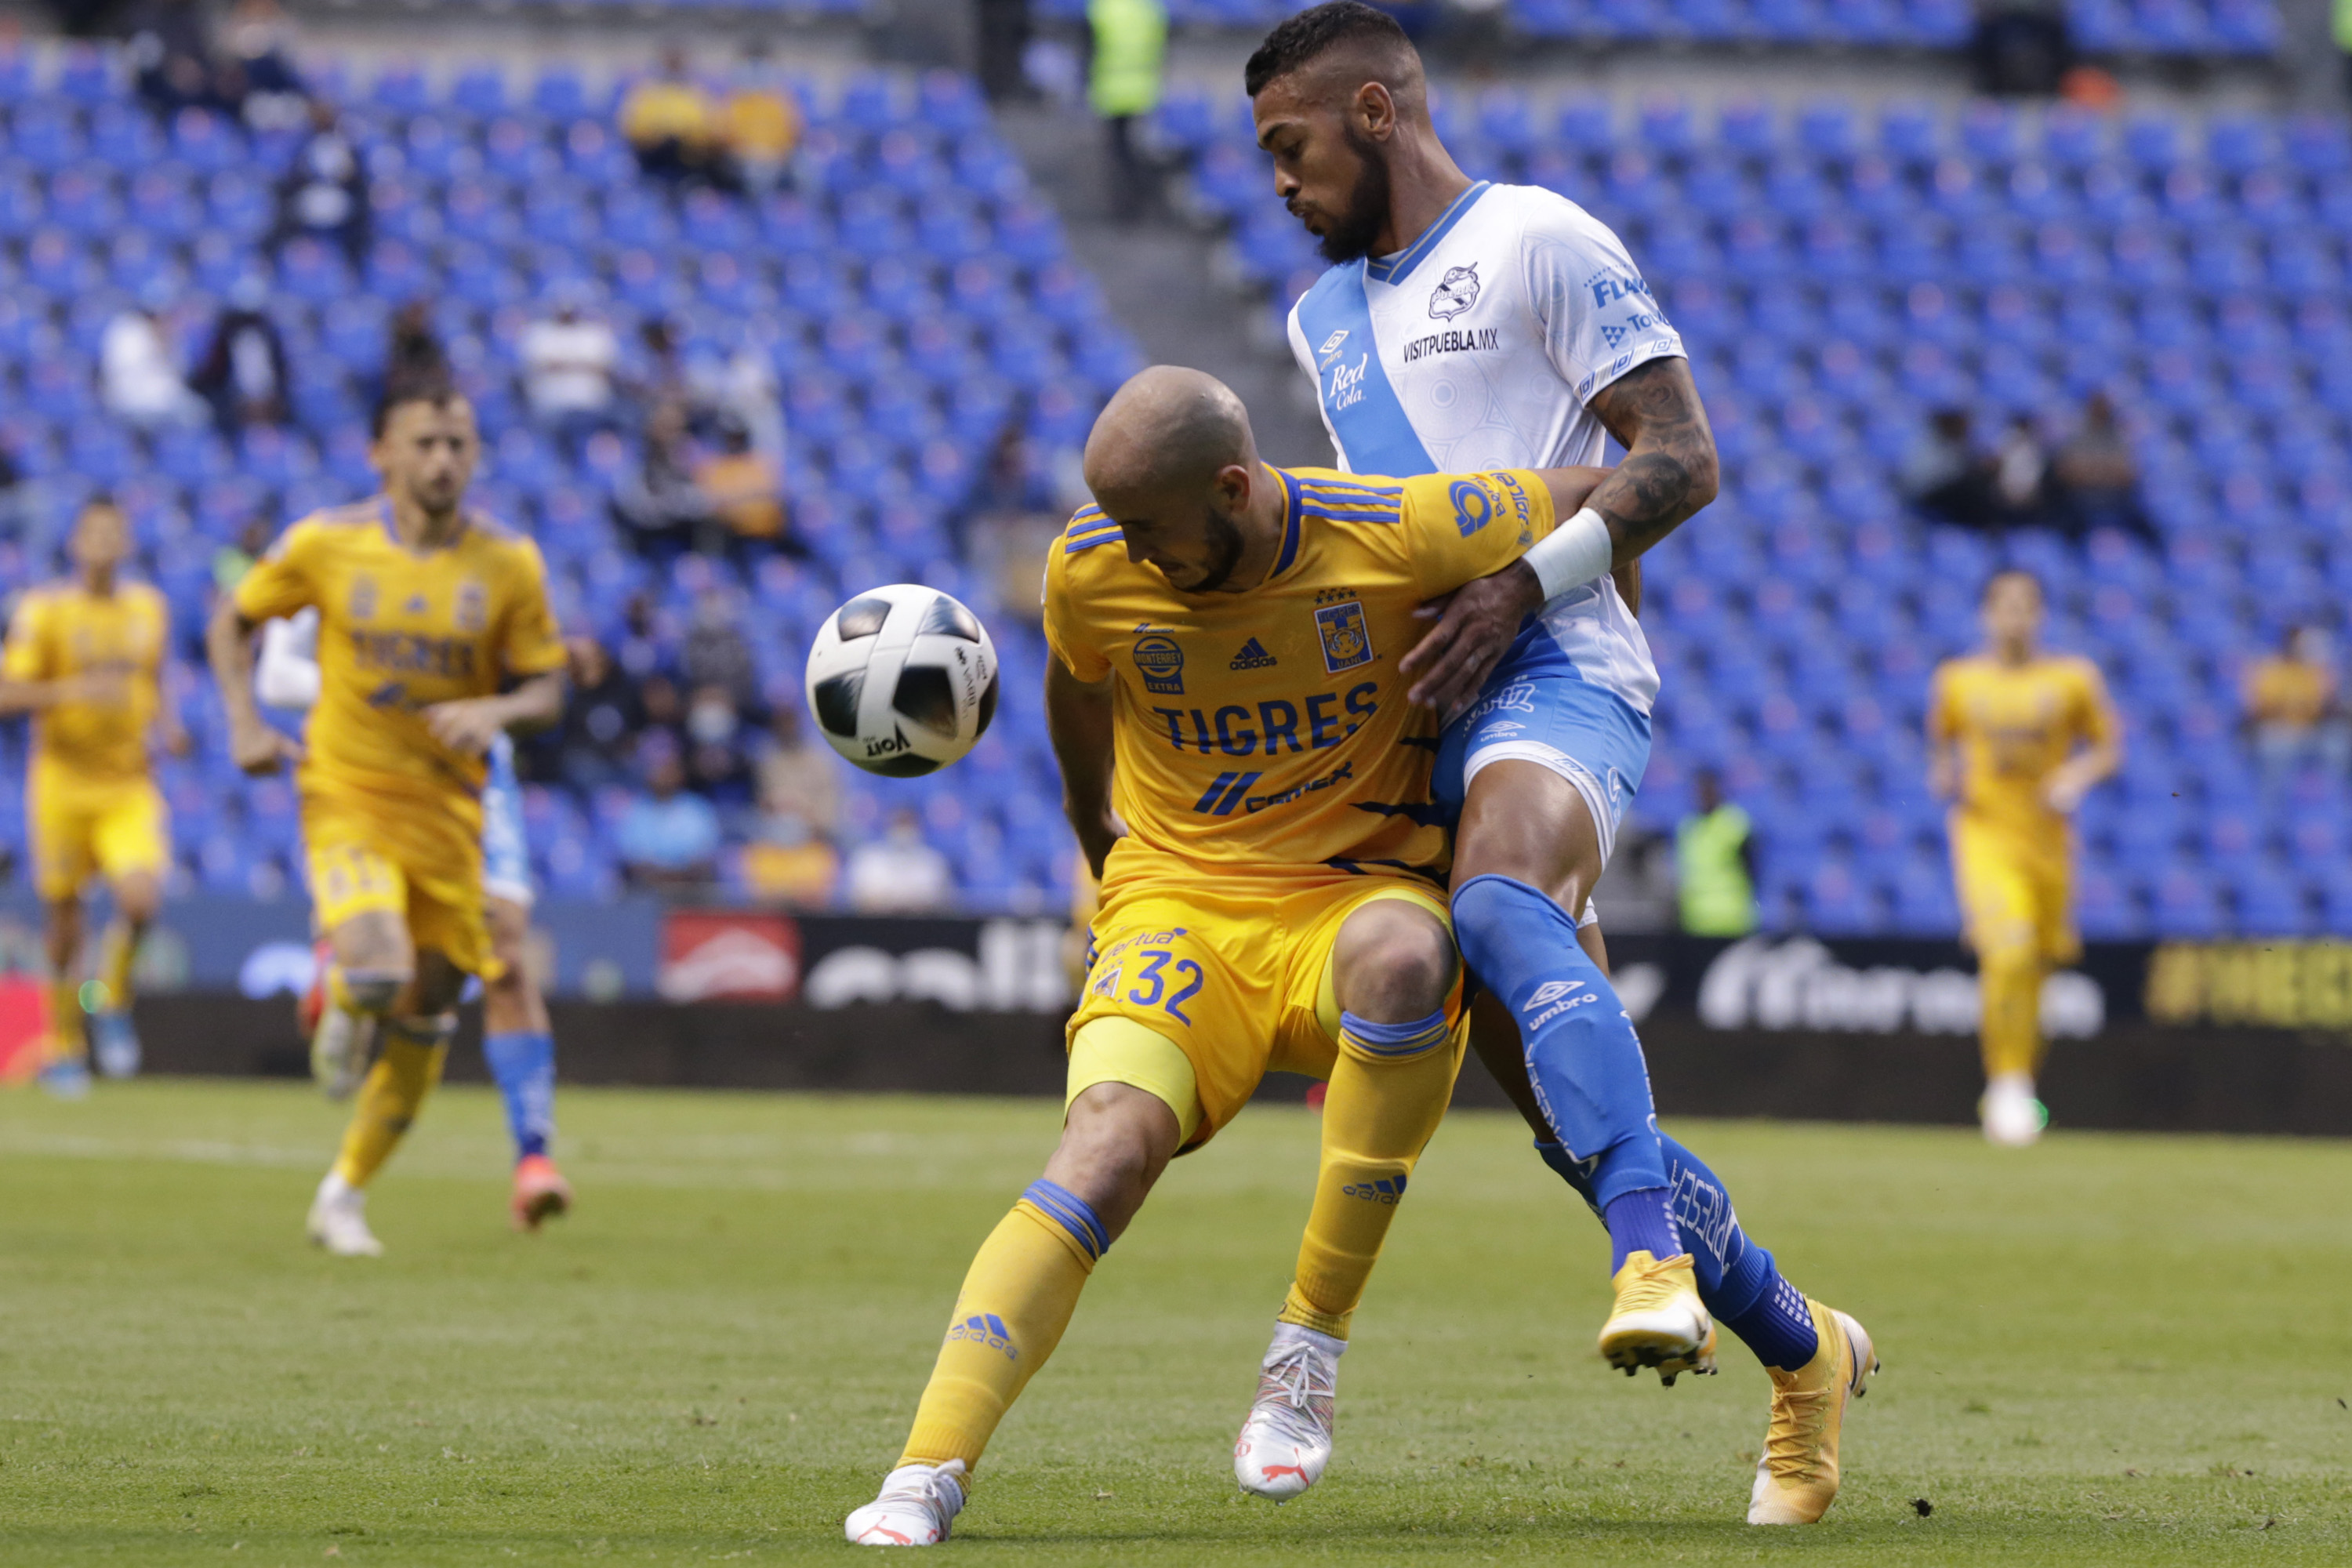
1014, 526
413, 352
243, 373
716, 765
2294, 710
660, 384
787, 862
665, 512
671, 123
800, 775
2020, 474
667, 837
171, 56
1131, 39
1942, 475
2096, 477
716, 653
324, 192
1715, 863
743, 387
760, 125
745, 491
2021, 48
602, 716
660, 714
568, 360
256, 69
232, 561
16, 493
139, 374
898, 873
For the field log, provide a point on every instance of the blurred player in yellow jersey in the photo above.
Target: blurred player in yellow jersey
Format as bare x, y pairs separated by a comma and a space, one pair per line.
1242, 767
85, 658
2016, 737
434, 637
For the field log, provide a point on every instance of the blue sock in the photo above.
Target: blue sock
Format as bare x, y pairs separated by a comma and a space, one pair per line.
1737, 1280
1639, 1222
1583, 1058
523, 1064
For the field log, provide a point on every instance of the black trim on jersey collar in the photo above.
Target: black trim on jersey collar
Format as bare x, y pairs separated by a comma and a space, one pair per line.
1398, 268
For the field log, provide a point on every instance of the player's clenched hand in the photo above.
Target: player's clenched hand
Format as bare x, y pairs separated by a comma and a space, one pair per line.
470, 724
257, 748
1476, 626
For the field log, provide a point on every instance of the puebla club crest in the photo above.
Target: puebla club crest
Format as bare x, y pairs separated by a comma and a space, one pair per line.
1456, 292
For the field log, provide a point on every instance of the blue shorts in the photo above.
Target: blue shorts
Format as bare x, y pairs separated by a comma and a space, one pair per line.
1545, 712
506, 858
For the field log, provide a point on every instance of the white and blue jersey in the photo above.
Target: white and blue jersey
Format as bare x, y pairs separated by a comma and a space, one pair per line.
1479, 346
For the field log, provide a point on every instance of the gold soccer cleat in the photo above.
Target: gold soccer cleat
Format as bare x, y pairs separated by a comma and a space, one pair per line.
1659, 1319
1797, 1478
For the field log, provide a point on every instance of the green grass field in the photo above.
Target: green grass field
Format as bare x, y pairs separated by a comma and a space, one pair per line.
2105, 1350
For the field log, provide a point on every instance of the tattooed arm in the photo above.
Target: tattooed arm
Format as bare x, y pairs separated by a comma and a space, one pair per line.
1669, 472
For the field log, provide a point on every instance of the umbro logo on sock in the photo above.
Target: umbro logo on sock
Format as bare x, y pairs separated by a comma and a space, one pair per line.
986, 1329
1253, 656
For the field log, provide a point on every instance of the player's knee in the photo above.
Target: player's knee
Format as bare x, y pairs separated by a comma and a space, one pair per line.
1115, 1142
1394, 962
375, 990
138, 898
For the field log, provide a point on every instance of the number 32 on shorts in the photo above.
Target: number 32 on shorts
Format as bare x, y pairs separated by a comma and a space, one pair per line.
1161, 981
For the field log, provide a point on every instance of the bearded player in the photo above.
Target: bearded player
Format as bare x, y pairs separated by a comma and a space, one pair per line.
1241, 767
85, 658
1468, 325
2016, 738
518, 1038
435, 638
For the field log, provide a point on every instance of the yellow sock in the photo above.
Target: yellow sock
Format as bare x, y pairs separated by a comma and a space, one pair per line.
2010, 982
115, 954
405, 1070
68, 1041
1389, 1090
1015, 1301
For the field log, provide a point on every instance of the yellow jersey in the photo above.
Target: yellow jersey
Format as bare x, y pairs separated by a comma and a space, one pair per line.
400, 630
63, 630
2014, 725
1268, 730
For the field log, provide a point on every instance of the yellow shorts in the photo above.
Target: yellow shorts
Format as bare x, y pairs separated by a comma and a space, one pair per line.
79, 829
2015, 892
1236, 976
353, 872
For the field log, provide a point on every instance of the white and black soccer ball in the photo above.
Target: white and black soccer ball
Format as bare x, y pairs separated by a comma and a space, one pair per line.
902, 680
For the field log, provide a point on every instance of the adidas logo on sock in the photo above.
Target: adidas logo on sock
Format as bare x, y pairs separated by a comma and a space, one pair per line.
989, 1329
1253, 656
1386, 1190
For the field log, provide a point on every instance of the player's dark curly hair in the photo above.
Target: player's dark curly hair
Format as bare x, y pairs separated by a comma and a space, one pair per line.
1314, 33
416, 368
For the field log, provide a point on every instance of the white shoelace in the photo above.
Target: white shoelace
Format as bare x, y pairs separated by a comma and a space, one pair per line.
1289, 1384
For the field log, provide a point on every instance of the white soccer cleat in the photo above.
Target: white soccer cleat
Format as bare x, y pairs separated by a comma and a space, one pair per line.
1286, 1439
339, 1220
343, 1049
917, 1505
2013, 1118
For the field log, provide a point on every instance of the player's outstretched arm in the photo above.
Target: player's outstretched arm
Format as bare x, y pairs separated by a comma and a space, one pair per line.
1078, 718
252, 744
1478, 621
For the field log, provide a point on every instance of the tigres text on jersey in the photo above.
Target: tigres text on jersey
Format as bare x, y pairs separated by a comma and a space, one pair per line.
1269, 727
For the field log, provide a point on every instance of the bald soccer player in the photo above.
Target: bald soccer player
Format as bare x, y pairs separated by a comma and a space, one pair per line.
1244, 775
1470, 325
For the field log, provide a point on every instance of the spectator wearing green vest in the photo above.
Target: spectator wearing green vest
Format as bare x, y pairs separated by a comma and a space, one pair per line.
1715, 864
2343, 36
1131, 39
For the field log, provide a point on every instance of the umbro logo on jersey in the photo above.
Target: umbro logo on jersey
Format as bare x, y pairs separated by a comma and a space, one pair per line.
1456, 292
1253, 656
1552, 991
1331, 345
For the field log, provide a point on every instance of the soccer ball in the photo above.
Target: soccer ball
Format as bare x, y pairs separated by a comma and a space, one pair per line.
902, 680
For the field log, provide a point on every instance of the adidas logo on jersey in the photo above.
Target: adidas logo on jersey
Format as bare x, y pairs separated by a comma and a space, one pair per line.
1253, 656
986, 1329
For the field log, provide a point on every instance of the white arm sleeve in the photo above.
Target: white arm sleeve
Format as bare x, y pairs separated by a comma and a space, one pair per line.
1598, 318
288, 673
